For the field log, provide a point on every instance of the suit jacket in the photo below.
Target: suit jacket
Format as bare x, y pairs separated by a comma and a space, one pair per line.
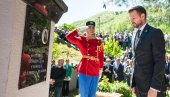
107, 74
120, 72
149, 60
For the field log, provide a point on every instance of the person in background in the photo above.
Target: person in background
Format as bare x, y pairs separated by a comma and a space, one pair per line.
58, 74
122, 58
128, 71
121, 40
129, 55
67, 79
52, 88
108, 70
167, 68
167, 71
53, 63
125, 63
119, 70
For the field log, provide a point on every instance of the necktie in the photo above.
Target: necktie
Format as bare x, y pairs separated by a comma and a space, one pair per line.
137, 37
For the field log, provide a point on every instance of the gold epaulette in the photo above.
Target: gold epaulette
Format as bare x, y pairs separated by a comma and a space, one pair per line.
100, 47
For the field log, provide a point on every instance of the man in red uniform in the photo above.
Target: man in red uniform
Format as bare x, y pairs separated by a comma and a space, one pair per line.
91, 64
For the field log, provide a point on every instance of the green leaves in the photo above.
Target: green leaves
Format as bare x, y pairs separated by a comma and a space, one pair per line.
122, 88
159, 16
64, 51
117, 87
56, 52
67, 27
105, 86
112, 48
110, 22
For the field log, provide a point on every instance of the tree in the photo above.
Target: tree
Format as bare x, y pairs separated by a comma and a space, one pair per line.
158, 11
66, 27
135, 2
55, 52
112, 48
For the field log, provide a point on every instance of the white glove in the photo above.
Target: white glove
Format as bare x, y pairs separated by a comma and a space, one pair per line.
100, 74
82, 28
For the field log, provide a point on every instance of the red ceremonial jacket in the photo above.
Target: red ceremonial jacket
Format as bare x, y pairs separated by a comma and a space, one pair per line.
92, 53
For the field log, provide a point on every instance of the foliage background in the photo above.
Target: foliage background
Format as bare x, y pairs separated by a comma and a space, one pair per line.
110, 22
116, 87
64, 51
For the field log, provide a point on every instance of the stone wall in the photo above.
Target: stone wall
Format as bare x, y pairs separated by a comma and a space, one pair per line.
12, 21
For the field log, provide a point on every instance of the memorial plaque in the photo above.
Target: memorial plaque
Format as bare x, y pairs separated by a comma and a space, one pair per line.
35, 48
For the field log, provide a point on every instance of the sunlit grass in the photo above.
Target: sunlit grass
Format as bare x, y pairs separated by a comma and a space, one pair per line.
69, 53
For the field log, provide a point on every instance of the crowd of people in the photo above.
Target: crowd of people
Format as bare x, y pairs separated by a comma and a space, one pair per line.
115, 69
118, 68
146, 77
60, 78
124, 39
61, 33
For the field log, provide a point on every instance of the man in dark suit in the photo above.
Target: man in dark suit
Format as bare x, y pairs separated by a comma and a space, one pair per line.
119, 70
148, 46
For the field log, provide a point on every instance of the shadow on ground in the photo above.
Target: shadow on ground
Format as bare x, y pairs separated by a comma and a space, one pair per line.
74, 93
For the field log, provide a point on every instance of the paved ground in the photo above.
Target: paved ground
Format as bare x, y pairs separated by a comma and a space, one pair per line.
74, 93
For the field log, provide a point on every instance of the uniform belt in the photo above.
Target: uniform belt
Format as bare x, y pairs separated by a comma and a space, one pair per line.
91, 57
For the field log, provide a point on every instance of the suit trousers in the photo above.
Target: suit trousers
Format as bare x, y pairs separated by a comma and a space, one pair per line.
143, 94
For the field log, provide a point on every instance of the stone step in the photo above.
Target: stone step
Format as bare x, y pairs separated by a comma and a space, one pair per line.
101, 94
